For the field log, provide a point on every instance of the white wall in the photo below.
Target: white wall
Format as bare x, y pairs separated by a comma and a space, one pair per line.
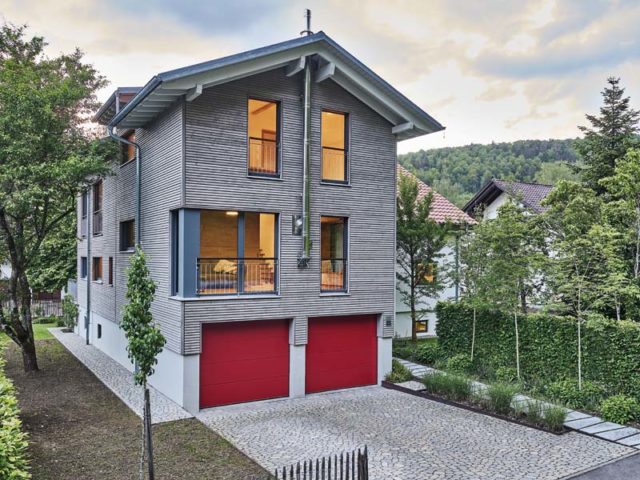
491, 211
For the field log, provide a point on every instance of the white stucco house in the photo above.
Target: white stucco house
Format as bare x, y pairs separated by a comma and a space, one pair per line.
442, 210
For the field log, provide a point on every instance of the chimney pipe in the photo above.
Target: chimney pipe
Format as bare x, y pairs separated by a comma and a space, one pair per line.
307, 14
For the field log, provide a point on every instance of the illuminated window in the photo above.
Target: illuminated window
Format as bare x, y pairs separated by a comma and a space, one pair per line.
128, 151
422, 326
429, 275
333, 253
334, 147
262, 132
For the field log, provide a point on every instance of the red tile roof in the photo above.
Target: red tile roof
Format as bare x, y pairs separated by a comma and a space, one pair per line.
441, 208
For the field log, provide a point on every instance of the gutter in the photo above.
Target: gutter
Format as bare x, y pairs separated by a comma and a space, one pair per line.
87, 313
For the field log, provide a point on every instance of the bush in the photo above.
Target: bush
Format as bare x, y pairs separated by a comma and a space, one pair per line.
427, 353
13, 442
620, 409
567, 393
553, 418
533, 411
399, 373
460, 363
69, 311
499, 397
451, 387
506, 375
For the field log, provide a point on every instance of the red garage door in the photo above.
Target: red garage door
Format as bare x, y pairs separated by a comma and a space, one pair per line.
341, 352
244, 361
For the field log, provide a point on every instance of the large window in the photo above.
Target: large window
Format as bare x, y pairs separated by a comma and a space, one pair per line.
128, 151
96, 269
97, 208
84, 211
334, 147
83, 267
263, 138
238, 252
333, 253
127, 235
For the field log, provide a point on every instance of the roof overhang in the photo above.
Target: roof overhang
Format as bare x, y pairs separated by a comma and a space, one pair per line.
487, 194
407, 119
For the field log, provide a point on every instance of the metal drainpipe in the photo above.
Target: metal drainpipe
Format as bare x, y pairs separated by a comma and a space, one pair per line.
138, 180
305, 256
87, 314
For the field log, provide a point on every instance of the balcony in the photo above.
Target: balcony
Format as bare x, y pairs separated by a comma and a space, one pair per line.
333, 275
263, 156
230, 276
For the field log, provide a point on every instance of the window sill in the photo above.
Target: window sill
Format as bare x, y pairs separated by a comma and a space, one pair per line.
128, 250
97, 282
335, 184
264, 177
205, 298
335, 294
128, 162
98, 234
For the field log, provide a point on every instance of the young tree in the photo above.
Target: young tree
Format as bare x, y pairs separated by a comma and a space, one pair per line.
145, 341
609, 137
419, 243
46, 158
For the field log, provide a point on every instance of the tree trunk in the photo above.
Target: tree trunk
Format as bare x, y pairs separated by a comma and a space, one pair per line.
147, 416
20, 321
414, 327
515, 321
579, 353
473, 333
29, 359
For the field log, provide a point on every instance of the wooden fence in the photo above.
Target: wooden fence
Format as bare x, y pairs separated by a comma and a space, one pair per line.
346, 466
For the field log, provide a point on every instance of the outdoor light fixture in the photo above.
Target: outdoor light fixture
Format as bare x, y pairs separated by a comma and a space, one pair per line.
296, 225
232, 213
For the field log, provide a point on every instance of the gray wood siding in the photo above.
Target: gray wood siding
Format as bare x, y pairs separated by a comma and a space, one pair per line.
216, 166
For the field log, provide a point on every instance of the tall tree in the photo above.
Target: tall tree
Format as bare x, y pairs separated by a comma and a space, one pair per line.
419, 244
145, 341
609, 137
46, 158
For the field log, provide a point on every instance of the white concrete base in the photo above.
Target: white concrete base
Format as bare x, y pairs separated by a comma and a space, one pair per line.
297, 370
385, 356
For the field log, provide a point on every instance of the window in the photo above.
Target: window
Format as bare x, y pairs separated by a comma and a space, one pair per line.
83, 267
333, 254
96, 269
128, 151
263, 137
334, 147
175, 251
110, 271
429, 273
97, 208
99, 331
238, 252
127, 235
84, 210
422, 326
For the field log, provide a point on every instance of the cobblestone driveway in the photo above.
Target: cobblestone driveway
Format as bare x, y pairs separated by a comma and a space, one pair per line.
408, 437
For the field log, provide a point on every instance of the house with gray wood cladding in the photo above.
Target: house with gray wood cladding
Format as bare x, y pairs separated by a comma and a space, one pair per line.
262, 188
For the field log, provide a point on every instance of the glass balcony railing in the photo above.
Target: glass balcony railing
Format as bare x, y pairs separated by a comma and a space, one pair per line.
220, 276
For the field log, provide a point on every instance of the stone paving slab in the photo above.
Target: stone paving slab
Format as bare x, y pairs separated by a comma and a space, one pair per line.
601, 427
409, 438
583, 423
614, 435
631, 441
412, 385
120, 380
575, 415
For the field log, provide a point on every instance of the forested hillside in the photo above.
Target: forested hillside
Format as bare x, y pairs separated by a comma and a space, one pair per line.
458, 172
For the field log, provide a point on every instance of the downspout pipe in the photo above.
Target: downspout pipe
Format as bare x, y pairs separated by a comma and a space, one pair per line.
87, 313
305, 256
120, 139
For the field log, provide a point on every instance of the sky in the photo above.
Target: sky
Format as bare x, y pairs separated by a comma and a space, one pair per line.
490, 71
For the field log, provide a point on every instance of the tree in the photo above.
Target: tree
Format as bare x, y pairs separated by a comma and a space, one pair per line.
419, 244
609, 137
46, 158
145, 341
552, 173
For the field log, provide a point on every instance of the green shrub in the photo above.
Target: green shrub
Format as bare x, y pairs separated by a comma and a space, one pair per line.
399, 373
452, 387
620, 409
533, 411
567, 393
13, 442
427, 353
553, 417
499, 397
506, 375
460, 363
69, 311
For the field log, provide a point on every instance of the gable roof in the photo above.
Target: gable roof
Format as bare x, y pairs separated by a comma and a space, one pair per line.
442, 210
529, 194
347, 71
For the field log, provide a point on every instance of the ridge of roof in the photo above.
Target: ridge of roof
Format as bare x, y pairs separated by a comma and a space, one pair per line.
530, 194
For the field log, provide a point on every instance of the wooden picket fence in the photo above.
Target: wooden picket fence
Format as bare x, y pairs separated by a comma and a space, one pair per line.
352, 465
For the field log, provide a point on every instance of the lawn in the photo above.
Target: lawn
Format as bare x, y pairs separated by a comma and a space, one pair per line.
40, 332
79, 429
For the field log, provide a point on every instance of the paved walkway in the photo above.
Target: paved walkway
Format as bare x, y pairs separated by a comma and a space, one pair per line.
578, 421
119, 379
409, 437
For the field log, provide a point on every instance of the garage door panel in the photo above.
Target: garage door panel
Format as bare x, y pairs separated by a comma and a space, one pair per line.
341, 352
243, 362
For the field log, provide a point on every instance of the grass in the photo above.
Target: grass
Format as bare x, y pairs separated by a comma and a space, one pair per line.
40, 332
79, 429
452, 387
399, 373
500, 396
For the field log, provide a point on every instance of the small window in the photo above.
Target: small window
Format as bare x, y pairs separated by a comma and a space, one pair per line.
429, 274
263, 138
99, 331
84, 211
127, 235
96, 273
128, 151
333, 251
83, 267
422, 326
334, 147
97, 208
110, 273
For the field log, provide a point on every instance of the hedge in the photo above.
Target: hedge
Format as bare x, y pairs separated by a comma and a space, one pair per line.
13, 441
548, 345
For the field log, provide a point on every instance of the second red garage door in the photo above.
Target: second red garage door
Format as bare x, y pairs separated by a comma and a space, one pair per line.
244, 361
341, 352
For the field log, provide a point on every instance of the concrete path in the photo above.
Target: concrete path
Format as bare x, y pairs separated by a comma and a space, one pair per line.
625, 469
408, 437
578, 421
119, 379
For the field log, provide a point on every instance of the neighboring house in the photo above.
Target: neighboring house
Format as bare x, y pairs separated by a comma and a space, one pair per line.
227, 206
496, 193
442, 210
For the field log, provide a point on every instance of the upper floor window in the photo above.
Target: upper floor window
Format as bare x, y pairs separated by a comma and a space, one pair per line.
334, 147
84, 211
333, 254
238, 252
263, 138
83, 267
127, 235
128, 151
110, 273
97, 207
96, 269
